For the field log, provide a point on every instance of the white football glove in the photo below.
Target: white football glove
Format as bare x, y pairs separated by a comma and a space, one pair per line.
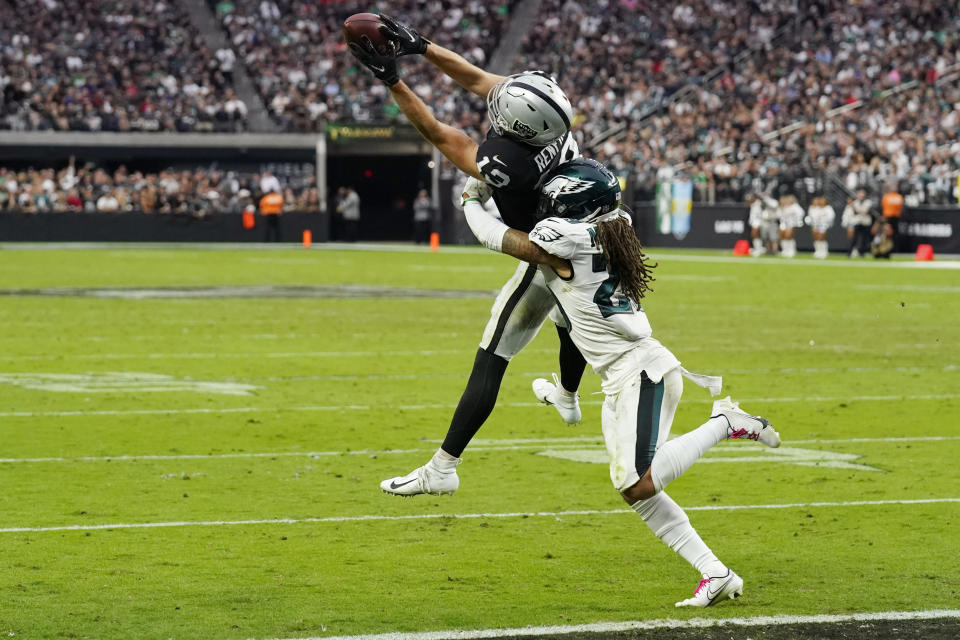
476, 189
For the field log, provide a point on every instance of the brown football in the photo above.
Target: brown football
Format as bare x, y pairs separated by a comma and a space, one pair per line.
365, 24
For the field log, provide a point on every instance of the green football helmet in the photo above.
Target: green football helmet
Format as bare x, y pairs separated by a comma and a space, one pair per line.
581, 189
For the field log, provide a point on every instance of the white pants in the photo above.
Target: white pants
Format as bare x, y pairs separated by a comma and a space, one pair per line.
636, 422
519, 311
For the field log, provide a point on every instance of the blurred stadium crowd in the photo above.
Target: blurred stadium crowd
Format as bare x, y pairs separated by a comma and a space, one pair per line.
736, 94
195, 191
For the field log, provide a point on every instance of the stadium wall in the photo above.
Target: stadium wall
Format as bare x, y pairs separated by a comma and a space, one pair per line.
720, 226
155, 227
710, 227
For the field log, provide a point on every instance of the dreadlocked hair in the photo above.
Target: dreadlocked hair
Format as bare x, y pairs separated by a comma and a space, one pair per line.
624, 254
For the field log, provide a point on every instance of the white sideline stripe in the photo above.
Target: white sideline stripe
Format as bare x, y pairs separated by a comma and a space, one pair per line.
458, 516
666, 623
478, 444
837, 262
428, 407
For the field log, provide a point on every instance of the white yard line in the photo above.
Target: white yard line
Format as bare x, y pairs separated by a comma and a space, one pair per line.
428, 407
459, 516
414, 353
478, 444
650, 625
272, 355
459, 375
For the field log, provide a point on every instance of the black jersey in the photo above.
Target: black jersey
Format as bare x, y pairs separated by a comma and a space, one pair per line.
515, 170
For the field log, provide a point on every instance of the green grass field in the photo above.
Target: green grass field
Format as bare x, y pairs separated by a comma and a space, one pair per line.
202, 465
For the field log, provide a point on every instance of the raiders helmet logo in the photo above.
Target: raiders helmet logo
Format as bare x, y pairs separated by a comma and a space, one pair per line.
523, 130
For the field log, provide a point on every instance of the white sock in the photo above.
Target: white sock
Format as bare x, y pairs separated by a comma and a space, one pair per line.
677, 455
669, 523
566, 394
821, 249
444, 462
757, 244
789, 248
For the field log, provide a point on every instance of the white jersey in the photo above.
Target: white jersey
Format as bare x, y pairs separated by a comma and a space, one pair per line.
612, 333
791, 216
821, 218
764, 210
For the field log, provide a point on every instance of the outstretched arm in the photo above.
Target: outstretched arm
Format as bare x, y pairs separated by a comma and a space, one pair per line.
457, 146
467, 75
408, 41
517, 244
496, 236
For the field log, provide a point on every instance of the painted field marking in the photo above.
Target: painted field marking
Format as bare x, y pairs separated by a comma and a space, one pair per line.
121, 382
291, 292
407, 353
781, 455
250, 355
460, 516
914, 288
430, 407
478, 444
532, 374
650, 625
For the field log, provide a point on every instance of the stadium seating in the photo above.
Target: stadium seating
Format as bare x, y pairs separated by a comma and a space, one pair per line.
195, 191
741, 95
295, 54
118, 66
730, 92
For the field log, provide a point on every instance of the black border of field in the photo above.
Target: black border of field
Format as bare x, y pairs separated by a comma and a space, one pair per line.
939, 629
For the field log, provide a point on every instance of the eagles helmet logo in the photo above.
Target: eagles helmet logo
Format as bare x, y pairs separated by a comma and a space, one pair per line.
523, 130
566, 184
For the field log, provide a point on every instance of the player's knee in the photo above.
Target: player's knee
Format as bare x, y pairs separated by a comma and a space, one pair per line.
642, 489
672, 387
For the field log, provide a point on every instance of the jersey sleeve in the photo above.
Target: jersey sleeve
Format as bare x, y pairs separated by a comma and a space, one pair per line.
562, 238
505, 166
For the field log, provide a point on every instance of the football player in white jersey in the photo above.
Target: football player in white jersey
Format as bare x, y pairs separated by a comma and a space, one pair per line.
530, 134
820, 217
594, 266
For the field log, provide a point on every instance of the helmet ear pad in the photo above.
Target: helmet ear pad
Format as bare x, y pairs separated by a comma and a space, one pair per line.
530, 107
581, 189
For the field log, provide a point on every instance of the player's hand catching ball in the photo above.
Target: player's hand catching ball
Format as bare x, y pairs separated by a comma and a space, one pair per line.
476, 190
407, 40
382, 65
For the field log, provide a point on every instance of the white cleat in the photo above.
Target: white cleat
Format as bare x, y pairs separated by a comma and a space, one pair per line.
425, 479
710, 591
742, 425
566, 404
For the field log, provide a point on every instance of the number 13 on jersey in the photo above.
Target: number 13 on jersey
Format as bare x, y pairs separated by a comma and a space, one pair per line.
493, 175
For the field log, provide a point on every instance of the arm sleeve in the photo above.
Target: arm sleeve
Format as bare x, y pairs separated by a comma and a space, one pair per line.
488, 230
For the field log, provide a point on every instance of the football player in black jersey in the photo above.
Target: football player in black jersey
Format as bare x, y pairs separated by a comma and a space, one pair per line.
530, 134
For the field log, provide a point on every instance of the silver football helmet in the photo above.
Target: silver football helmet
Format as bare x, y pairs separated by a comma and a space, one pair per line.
530, 107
